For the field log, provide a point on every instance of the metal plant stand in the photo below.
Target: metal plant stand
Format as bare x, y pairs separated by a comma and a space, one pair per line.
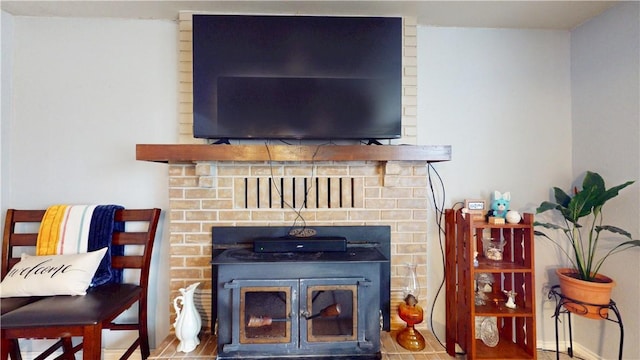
561, 300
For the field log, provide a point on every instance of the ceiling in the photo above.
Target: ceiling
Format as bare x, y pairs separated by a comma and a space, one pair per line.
494, 14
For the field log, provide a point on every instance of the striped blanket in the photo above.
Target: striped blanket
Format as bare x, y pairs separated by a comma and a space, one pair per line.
73, 229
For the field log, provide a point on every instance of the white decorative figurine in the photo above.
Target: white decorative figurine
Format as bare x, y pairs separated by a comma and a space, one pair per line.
188, 321
511, 302
513, 217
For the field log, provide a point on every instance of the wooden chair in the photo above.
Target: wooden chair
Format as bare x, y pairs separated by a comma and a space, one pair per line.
63, 317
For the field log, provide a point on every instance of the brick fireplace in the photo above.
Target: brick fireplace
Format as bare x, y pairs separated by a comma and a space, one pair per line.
207, 194
356, 190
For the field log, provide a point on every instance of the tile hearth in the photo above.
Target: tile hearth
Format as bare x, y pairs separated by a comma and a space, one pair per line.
390, 349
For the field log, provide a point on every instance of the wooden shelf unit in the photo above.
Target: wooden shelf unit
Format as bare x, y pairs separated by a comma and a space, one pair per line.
517, 327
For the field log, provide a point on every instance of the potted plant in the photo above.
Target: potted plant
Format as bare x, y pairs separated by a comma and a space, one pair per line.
582, 225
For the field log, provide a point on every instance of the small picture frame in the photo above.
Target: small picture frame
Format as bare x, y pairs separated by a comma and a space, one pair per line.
476, 207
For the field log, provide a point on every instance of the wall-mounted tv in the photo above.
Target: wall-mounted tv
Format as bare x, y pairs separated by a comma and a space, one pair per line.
297, 77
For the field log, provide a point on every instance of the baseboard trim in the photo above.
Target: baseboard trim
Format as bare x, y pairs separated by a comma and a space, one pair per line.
578, 350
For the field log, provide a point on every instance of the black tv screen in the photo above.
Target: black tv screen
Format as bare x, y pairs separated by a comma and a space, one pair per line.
297, 77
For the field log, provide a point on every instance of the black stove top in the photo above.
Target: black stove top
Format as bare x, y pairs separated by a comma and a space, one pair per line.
352, 254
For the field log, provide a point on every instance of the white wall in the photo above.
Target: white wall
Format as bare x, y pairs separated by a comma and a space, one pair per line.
522, 110
605, 66
502, 99
85, 91
6, 22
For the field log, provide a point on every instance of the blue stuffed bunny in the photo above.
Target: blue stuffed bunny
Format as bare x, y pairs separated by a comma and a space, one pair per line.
500, 204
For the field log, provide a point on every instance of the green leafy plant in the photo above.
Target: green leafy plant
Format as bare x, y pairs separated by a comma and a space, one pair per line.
582, 223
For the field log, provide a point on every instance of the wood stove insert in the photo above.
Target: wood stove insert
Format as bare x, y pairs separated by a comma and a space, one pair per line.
292, 304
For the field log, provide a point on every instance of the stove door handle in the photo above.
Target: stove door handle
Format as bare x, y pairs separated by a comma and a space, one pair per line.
332, 310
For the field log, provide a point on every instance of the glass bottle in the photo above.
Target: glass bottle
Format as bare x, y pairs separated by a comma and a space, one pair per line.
411, 285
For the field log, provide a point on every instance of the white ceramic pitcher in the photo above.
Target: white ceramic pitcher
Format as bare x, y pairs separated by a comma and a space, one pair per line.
188, 320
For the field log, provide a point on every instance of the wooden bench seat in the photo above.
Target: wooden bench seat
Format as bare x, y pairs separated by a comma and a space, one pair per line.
10, 304
105, 301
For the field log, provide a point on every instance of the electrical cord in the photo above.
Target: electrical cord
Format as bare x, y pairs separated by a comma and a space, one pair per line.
439, 215
298, 212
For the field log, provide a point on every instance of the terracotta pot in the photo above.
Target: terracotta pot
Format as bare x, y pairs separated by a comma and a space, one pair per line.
591, 297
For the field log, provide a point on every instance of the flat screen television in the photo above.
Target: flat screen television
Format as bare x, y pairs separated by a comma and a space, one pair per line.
297, 77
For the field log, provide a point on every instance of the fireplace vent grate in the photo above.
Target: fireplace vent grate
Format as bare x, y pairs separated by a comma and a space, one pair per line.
301, 192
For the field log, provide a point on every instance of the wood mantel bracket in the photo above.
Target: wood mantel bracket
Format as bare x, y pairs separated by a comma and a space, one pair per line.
186, 153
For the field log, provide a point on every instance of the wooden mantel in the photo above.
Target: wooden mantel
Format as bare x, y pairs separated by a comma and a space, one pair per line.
181, 153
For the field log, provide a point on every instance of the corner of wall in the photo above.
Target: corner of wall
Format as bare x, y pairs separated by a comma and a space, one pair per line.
6, 76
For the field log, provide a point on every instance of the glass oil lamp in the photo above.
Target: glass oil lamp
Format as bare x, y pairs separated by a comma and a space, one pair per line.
411, 313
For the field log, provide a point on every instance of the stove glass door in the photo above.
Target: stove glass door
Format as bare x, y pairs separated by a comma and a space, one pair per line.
265, 314
333, 313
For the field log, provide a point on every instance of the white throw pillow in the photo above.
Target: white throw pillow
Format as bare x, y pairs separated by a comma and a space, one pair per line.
51, 274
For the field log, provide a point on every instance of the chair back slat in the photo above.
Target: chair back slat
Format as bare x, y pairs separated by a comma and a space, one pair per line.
143, 215
127, 262
24, 239
28, 215
129, 238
